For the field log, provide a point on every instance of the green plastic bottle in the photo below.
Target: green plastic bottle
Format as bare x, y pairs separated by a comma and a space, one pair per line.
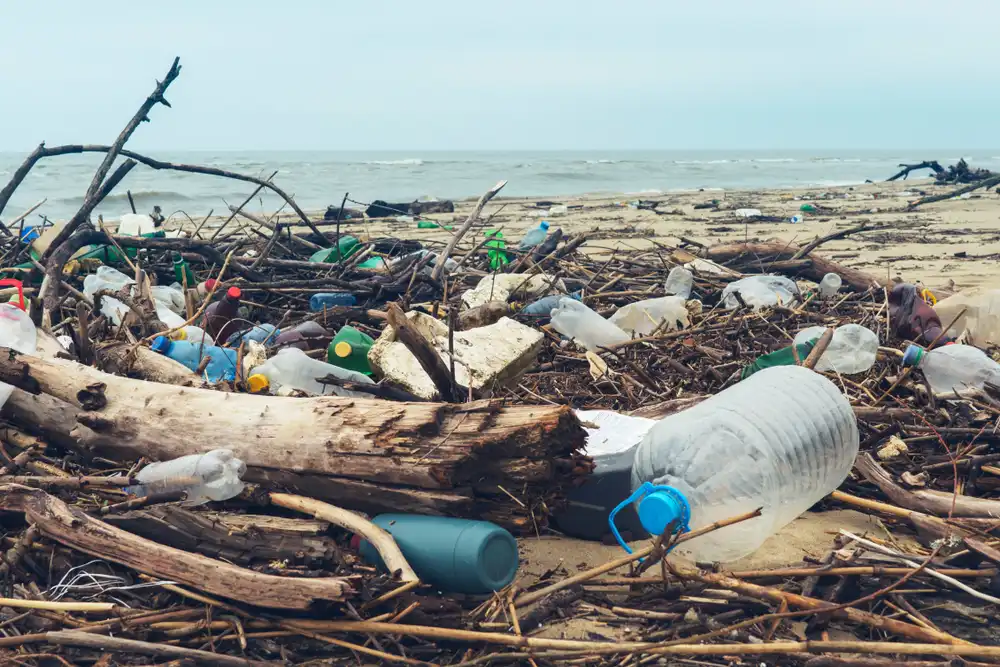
349, 349
782, 357
807, 208
498, 258
427, 224
346, 246
183, 272
454, 555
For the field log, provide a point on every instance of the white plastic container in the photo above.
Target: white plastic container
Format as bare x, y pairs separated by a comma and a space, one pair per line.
680, 282
17, 332
747, 212
953, 367
829, 286
292, 368
644, 317
780, 440
135, 224
214, 475
852, 349
575, 320
761, 292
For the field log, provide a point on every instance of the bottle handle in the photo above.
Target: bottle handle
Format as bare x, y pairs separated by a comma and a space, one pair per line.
13, 282
645, 489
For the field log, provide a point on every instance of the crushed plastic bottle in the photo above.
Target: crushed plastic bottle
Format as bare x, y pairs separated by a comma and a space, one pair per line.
680, 282
780, 440
535, 236
575, 320
762, 291
852, 349
543, 307
291, 368
215, 475
829, 286
979, 324
642, 318
223, 361
953, 367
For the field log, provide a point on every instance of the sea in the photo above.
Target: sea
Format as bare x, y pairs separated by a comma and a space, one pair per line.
317, 179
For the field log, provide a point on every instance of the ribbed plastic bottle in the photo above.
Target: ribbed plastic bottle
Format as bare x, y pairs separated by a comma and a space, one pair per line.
953, 367
780, 440
575, 320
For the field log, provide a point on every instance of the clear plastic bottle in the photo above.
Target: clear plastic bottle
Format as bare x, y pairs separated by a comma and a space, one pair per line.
259, 333
575, 320
852, 349
680, 281
975, 312
108, 278
780, 440
953, 367
17, 331
534, 236
222, 366
644, 317
294, 369
761, 291
214, 475
829, 286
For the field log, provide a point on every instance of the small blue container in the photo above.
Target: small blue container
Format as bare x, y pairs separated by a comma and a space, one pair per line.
454, 555
223, 360
29, 234
330, 299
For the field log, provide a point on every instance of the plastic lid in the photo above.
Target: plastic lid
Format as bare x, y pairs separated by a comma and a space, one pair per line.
161, 344
661, 508
258, 383
210, 284
20, 290
234, 293
913, 355
545, 224
342, 349
180, 334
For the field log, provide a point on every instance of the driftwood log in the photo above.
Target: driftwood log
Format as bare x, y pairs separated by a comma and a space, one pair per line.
759, 256
477, 459
79, 531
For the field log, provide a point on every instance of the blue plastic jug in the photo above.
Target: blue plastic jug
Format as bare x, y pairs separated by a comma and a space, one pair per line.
223, 360
543, 307
454, 555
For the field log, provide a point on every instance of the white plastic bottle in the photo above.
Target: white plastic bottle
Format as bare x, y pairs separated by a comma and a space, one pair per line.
953, 367
852, 349
680, 281
294, 369
575, 320
829, 286
214, 475
17, 331
780, 440
642, 318
761, 291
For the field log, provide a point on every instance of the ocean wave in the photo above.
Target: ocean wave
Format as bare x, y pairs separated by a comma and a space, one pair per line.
704, 161
602, 161
407, 162
774, 159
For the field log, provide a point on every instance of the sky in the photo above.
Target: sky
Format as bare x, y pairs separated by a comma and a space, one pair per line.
518, 75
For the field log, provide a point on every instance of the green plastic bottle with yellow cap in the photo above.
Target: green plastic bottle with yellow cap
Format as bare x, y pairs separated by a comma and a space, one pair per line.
349, 349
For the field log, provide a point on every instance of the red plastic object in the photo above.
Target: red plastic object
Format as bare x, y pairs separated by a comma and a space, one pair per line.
13, 282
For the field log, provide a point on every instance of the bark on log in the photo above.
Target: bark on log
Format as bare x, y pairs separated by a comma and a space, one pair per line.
761, 254
362, 454
79, 531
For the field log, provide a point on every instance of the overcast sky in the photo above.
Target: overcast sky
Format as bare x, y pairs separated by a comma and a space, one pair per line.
518, 74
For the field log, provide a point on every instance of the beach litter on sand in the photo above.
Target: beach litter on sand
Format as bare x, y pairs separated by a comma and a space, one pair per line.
296, 438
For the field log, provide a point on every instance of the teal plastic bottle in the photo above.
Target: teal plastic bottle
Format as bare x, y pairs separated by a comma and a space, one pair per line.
454, 555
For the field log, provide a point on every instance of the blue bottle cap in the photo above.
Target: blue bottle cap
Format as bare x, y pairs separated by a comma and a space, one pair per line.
913, 355
544, 225
161, 344
659, 506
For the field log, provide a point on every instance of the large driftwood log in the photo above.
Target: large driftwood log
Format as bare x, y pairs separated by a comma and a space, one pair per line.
760, 255
362, 454
82, 532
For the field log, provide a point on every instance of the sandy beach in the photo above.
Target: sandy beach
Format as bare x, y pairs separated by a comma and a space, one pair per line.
956, 240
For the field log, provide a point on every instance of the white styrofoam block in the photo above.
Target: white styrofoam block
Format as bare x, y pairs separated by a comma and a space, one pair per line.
499, 286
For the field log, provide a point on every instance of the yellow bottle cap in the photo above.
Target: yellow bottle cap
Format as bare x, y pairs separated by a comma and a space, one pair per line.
342, 349
180, 334
258, 383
